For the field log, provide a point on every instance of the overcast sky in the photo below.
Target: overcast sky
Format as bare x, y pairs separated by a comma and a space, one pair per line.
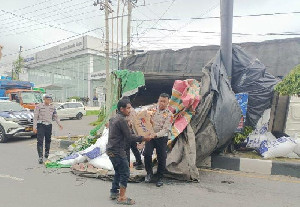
42, 24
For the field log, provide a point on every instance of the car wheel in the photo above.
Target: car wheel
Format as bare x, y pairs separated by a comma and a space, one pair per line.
79, 116
3, 136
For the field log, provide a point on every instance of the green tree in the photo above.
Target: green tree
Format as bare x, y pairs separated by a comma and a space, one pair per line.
290, 85
18, 67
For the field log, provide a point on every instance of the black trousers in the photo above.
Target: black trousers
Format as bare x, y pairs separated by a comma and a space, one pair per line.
43, 132
136, 153
160, 144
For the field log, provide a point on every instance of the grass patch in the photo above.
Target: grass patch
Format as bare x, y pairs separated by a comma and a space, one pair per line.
92, 112
101, 117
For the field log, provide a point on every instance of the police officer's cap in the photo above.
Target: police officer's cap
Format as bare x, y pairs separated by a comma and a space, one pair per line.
47, 96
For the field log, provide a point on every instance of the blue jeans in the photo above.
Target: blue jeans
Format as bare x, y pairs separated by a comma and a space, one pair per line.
122, 172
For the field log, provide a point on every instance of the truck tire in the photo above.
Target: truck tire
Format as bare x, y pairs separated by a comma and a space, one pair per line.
3, 136
79, 116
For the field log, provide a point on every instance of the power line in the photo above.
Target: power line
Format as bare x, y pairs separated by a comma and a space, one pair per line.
185, 25
145, 31
53, 26
45, 17
217, 17
30, 6
30, 30
58, 41
44, 8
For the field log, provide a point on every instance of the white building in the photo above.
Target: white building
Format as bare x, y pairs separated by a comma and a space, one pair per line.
75, 68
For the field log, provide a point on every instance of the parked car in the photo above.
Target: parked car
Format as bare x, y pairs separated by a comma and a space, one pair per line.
70, 110
15, 121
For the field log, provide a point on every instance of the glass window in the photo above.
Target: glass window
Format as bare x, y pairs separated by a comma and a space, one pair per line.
10, 106
31, 97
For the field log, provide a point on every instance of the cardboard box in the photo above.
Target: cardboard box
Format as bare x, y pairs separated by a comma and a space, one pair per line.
142, 124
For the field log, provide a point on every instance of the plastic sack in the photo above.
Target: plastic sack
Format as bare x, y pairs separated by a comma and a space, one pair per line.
260, 134
98, 148
102, 141
292, 155
279, 148
73, 159
102, 162
96, 152
254, 140
297, 147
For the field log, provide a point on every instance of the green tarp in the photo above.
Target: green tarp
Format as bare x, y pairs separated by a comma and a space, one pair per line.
123, 83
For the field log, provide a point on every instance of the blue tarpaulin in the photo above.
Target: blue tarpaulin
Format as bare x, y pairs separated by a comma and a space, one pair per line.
242, 99
9, 84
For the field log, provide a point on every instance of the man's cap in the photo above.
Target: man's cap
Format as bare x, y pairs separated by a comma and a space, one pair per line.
46, 96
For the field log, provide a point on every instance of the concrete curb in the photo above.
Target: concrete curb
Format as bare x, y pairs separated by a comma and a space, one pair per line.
59, 143
267, 167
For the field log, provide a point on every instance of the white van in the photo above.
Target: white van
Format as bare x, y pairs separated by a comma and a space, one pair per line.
70, 110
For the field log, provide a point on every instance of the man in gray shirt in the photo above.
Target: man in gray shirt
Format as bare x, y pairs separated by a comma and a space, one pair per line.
119, 139
44, 114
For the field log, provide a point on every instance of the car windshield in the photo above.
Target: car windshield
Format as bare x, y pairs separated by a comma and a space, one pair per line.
31, 97
10, 106
57, 105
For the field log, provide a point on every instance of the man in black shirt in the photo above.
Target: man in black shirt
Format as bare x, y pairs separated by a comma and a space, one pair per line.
119, 138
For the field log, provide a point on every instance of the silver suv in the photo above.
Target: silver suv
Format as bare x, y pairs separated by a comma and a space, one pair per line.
15, 121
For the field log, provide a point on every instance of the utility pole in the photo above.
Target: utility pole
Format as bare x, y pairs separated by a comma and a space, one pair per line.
106, 7
129, 26
19, 63
226, 34
122, 33
118, 10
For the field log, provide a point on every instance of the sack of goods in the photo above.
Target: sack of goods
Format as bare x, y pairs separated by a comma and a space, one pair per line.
282, 147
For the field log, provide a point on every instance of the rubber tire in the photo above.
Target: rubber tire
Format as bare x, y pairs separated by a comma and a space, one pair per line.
3, 137
79, 116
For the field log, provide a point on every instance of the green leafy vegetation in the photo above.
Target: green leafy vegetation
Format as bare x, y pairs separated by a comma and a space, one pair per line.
240, 137
290, 85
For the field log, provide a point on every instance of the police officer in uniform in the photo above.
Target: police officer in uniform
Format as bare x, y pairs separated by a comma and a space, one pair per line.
161, 121
44, 114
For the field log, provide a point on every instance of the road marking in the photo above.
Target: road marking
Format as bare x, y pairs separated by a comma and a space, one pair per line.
243, 174
11, 177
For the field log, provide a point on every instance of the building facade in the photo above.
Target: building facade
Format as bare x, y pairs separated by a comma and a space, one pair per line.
72, 69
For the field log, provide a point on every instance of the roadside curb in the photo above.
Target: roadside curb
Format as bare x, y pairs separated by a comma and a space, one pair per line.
267, 167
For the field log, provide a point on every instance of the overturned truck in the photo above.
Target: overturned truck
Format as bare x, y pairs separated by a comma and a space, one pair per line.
216, 118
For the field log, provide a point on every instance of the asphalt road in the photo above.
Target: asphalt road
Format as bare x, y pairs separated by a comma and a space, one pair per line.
74, 126
25, 183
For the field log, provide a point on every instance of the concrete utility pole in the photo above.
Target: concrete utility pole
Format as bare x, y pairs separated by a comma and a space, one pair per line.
1, 51
106, 7
122, 33
226, 34
107, 82
129, 26
19, 63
